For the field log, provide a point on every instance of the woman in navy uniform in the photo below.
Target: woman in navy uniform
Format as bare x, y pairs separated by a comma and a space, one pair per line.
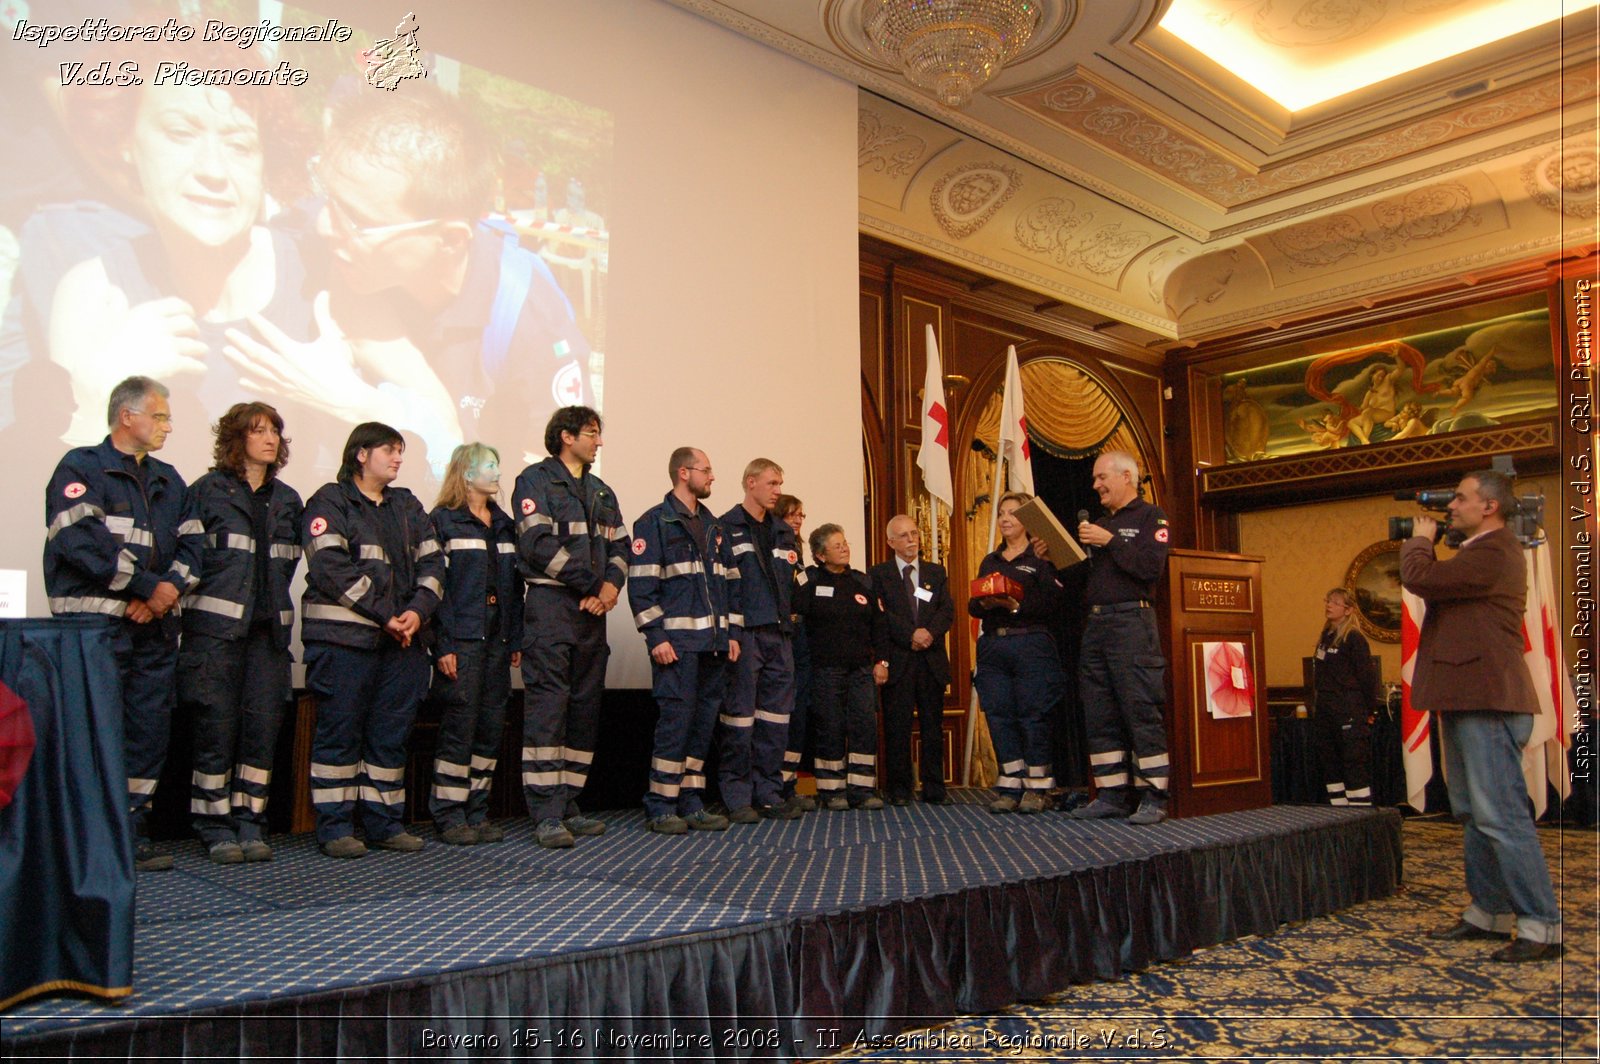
1019, 677
374, 576
477, 642
844, 624
233, 667
1343, 680
792, 512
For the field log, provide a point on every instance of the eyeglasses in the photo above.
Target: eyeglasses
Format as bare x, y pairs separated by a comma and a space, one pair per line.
341, 215
159, 419
593, 434
697, 469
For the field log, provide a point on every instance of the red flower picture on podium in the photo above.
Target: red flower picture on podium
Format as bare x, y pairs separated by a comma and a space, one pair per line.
1230, 687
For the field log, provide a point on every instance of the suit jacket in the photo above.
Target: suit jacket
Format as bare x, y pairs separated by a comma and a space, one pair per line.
935, 615
1469, 652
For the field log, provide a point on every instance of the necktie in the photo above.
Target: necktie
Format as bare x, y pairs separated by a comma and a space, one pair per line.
911, 589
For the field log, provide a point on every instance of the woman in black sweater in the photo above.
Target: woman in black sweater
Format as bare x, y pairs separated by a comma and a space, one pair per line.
1344, 683
844, 628
1019, 677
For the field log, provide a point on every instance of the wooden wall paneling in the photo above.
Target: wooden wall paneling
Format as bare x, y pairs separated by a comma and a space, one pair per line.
913, 315
874, 367
1209, 527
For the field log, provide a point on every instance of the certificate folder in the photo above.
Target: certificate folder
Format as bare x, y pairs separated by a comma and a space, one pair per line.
1041, 523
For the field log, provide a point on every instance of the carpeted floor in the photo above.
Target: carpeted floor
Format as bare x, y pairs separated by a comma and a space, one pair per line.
1364, 983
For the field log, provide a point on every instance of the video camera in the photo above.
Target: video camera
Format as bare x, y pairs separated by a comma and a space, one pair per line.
1526, 521
1435, 499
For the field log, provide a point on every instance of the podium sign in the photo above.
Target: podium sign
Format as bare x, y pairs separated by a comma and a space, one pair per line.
1217, 730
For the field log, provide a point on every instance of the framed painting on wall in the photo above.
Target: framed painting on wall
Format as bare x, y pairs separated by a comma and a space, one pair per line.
1470, 368
1373, 581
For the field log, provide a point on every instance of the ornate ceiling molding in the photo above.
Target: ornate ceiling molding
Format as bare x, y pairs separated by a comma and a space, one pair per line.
1091, 110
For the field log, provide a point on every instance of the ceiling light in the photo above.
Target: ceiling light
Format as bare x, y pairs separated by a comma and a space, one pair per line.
949, 47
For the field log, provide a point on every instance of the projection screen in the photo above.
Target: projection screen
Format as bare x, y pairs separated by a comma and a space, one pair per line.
642, 212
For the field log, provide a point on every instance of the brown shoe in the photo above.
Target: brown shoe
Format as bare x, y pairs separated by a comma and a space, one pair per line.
490, 832
1461, 931
400, 842
348, 846
256, 851
460, 835
1524, 950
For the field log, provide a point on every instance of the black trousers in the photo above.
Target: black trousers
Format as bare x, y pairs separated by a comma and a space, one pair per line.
1344, 749
564, 673
237, 691
918, 692
471, 719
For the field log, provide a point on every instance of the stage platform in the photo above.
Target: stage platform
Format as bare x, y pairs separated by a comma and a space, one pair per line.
771, 941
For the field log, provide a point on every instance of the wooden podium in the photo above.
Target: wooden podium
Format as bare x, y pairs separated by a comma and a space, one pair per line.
1217, 735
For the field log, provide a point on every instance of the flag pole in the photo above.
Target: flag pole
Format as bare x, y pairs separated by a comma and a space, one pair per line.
995, 491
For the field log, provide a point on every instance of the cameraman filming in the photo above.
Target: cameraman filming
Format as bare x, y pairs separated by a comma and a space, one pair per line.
1470, 672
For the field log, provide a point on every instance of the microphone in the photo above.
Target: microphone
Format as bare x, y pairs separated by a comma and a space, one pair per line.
1083, 519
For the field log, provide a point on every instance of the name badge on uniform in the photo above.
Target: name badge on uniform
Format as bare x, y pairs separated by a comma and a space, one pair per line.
824, 591
1321, 653
119, 526
924, 594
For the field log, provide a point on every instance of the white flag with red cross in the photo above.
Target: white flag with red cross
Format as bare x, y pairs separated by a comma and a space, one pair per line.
933, 457
1014, 430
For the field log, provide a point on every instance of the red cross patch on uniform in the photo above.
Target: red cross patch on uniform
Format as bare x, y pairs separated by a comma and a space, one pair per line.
793, 557
74, 490
319, 525
1162, 535
528, 506
638, 546
861, 598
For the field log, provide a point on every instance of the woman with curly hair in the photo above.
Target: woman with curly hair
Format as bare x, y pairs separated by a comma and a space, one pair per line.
233, 666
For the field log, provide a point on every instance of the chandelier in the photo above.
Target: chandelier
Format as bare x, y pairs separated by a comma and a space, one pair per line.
949, 47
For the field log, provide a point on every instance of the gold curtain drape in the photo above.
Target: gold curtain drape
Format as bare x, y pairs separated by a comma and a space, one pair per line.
1066, 406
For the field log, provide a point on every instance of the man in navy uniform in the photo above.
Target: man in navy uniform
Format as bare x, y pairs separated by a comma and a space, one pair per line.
918, 612
755, 727
572, 549
1121, 670
116, 546
684, 589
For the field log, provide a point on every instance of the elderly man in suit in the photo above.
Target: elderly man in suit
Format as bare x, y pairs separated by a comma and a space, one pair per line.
919, 611
1470, 671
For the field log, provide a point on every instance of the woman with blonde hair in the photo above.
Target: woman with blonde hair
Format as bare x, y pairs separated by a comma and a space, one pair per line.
477, 635
1343, 677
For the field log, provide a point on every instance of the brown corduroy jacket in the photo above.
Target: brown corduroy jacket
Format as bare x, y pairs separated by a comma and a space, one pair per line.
1469, 654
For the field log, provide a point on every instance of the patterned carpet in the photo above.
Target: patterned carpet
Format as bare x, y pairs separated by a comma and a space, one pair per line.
1362, 984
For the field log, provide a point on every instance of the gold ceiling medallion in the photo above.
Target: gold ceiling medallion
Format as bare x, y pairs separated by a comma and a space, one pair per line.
965, 199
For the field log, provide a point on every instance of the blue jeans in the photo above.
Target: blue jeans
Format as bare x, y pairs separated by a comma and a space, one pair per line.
1506, 872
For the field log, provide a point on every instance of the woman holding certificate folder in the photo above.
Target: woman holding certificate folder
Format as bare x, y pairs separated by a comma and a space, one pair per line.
1019, 677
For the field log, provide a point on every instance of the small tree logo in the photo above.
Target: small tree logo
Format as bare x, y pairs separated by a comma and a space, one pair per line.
392, 61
